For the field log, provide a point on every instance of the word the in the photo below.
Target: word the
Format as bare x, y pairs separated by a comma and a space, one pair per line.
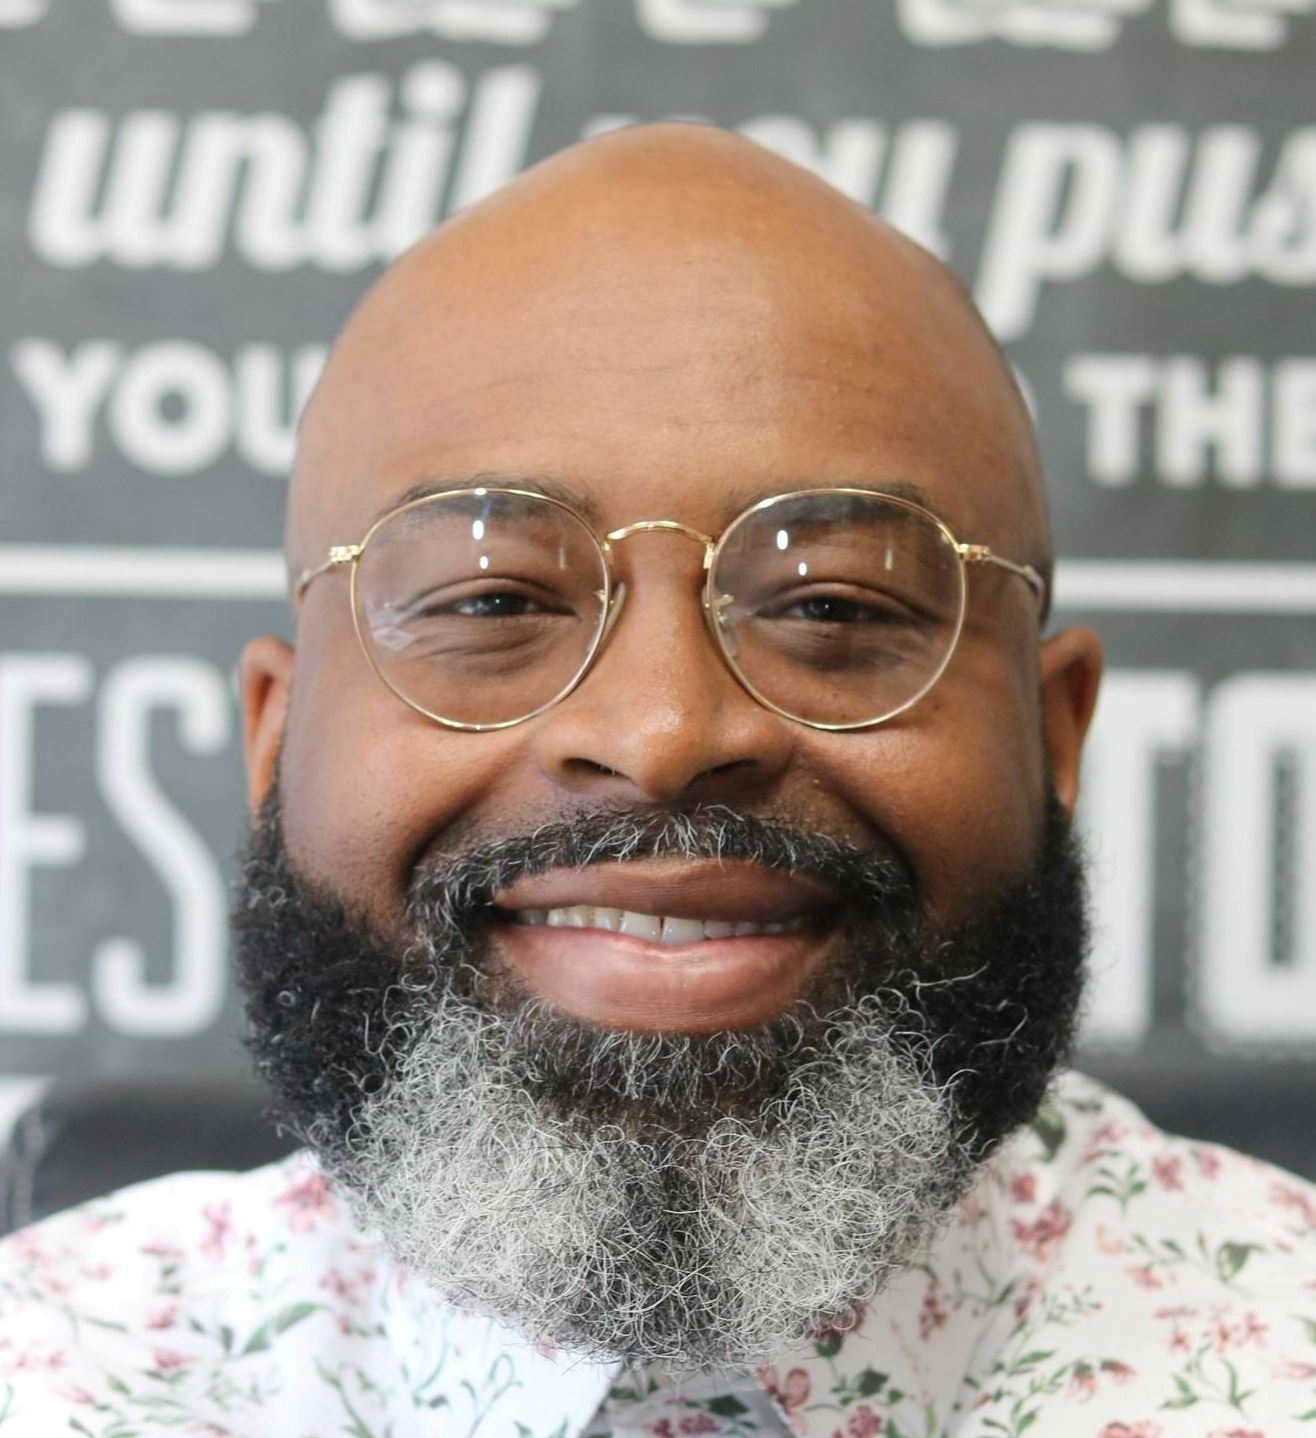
1246, 421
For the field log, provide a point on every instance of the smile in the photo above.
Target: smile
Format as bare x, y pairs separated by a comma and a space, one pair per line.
662, 929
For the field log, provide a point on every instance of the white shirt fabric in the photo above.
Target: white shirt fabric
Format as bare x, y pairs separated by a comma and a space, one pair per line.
1102, 1280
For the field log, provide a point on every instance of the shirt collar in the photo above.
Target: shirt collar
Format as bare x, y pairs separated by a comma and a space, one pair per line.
481, 1374
917, 1337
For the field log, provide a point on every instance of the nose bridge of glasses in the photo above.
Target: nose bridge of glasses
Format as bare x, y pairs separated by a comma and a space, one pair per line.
674, 526
645, 526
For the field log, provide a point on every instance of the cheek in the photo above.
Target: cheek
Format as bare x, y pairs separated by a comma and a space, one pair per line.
367, 783
956, 785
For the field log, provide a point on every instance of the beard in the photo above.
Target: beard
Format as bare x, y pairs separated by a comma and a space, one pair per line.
697, 1199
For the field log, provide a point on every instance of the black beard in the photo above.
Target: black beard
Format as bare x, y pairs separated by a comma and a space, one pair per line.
986, 1012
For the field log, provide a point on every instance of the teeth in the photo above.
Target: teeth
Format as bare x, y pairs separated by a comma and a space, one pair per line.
640, 926
682, 931
657, 928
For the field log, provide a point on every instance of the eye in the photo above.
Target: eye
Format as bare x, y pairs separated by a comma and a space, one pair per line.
853, 608
830, 609
489, 599
495, 604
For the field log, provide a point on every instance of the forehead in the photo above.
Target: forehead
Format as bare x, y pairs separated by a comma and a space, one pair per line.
681, 381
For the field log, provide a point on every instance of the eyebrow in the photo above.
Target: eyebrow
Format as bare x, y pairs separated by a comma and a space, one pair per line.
739, 500
543, 484
746, 497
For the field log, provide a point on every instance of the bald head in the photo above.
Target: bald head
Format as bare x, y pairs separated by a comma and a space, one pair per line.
667, 278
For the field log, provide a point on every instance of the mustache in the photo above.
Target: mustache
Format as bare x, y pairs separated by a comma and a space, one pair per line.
452, 892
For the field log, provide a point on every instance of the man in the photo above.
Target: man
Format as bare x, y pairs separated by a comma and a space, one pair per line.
661, 917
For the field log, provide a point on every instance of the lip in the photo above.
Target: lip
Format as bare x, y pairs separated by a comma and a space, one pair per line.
621, 982
732, 890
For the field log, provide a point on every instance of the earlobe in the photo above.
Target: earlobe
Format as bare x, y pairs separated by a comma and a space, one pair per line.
1070, 672
265, 680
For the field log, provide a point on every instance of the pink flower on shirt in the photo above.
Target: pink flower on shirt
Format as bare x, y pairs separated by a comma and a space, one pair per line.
1288, 1195
932, 1314
1023, 1187
308, 1202
1144, 1429
791, 1391
159, 1249
862, 1423
218, 1223
1224, 1334
1167, 1171
1043, 1236
1082, 1383
1207, 1161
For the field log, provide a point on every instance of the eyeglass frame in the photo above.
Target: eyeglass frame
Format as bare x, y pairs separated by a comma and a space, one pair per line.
613, 594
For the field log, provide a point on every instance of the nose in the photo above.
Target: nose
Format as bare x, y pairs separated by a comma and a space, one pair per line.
660, 719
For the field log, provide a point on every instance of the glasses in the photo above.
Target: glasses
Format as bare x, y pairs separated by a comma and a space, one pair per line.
838, 608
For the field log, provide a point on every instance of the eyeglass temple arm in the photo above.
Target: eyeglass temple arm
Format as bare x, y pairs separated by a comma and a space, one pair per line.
338, 554
981, 554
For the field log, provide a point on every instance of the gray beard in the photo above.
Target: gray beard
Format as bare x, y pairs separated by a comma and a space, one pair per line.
692, 1199
721, 1244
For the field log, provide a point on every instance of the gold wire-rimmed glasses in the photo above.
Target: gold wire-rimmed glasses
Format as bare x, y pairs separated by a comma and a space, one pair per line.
837, 607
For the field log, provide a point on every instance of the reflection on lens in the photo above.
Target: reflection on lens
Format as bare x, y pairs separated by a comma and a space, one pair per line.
837, 608
480, 607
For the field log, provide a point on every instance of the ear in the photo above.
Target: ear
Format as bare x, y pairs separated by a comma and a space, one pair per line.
265, 681
1070, 673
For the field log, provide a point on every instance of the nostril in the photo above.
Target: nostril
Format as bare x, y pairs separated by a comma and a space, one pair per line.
596, 768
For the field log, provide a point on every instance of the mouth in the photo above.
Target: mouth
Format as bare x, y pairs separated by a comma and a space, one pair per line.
675, 946
666, 930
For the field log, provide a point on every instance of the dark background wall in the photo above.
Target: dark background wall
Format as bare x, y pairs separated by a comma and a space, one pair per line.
192, 193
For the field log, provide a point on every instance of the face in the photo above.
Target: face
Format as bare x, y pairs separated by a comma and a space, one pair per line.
668, 350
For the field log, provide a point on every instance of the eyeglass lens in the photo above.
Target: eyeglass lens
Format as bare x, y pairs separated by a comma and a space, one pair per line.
838, 608
481, 609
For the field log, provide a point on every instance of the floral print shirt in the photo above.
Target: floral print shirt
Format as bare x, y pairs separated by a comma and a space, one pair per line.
1102, 1280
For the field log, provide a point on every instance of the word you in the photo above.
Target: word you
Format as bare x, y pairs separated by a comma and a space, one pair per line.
170, 407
